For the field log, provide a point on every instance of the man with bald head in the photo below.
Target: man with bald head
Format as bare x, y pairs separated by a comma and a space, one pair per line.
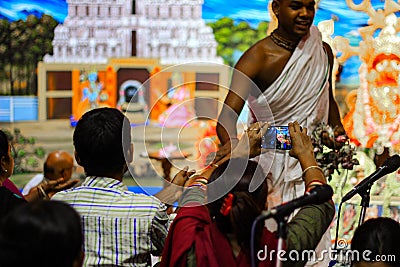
57, 172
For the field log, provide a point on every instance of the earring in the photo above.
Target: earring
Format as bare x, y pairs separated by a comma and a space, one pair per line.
5, 171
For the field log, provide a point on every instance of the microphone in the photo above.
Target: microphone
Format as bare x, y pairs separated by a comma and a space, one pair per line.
317, 195
390, 165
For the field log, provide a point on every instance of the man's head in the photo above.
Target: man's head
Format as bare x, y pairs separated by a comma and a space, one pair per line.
376, 241
295, 17
102, 142
58, 164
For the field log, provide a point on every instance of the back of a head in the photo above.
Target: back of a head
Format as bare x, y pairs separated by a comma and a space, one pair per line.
377, 239
41, 233
246, 206
102, 139
58, 164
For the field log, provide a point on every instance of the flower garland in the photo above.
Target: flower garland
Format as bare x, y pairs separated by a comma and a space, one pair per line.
331, 159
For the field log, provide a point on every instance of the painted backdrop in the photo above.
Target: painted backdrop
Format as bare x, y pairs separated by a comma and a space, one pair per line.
346, 21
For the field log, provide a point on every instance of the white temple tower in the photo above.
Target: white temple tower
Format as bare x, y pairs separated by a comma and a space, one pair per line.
96, 30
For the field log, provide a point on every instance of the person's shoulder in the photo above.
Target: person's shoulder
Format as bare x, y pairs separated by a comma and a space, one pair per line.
68, 195
256, 55
61, 196
143, 198
261, 47
7, 196
151, 204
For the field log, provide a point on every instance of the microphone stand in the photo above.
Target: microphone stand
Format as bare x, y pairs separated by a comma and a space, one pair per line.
365, 199
282, 235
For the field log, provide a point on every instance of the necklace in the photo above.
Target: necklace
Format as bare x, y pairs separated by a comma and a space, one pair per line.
282, 42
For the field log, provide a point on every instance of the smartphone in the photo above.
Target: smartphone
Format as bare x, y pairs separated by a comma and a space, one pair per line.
277, 137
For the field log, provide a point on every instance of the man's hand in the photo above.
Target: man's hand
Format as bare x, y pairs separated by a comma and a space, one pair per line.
182, 176
54, 186
172, 192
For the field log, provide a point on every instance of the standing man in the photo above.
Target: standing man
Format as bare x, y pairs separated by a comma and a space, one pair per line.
284, 77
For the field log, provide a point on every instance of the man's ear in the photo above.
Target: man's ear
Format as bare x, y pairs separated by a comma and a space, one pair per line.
78, 160
275, 7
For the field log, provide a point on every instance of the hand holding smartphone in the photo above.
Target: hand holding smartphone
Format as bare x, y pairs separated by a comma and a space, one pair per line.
277, 137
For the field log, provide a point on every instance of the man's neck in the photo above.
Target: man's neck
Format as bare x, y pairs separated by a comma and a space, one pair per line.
283, 42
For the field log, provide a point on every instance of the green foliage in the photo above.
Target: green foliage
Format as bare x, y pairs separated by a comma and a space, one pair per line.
31, 140
40, 152
22, 45
235, 39
33, 162
27, 158
21, 153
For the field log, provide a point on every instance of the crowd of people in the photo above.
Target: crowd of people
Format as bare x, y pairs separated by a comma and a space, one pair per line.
100, 223
286, 79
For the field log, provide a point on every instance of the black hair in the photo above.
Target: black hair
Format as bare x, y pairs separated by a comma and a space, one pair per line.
246, 205
3, 144
380, 236
41, 233
102, 139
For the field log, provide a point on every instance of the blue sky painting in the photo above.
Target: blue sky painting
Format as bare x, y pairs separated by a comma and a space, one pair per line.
346, 21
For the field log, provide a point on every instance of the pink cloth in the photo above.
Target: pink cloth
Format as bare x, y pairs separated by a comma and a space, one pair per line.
12, 187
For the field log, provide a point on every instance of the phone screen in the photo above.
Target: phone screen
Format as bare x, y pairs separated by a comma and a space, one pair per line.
277, 137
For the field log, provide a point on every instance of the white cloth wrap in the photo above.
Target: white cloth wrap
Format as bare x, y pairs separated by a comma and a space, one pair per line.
300, 93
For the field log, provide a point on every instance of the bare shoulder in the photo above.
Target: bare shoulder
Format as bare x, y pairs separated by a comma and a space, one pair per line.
256, 52
257, 56
263, 62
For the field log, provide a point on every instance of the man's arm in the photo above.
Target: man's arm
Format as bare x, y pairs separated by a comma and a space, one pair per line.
245, 71
171, 193
334, 119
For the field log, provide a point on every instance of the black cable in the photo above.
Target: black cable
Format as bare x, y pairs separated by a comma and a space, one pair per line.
333, 262
252, 241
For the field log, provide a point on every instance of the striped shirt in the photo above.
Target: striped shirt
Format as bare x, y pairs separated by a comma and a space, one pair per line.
120, 228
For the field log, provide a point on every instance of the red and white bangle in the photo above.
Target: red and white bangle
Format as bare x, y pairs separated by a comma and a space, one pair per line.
312, 184
199, 185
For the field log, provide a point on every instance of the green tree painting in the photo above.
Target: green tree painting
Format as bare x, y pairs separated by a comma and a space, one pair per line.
233, 39
22, 45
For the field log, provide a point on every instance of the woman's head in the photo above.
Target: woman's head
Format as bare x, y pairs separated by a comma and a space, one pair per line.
6, 159
42, 233
246, 206
377, 239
